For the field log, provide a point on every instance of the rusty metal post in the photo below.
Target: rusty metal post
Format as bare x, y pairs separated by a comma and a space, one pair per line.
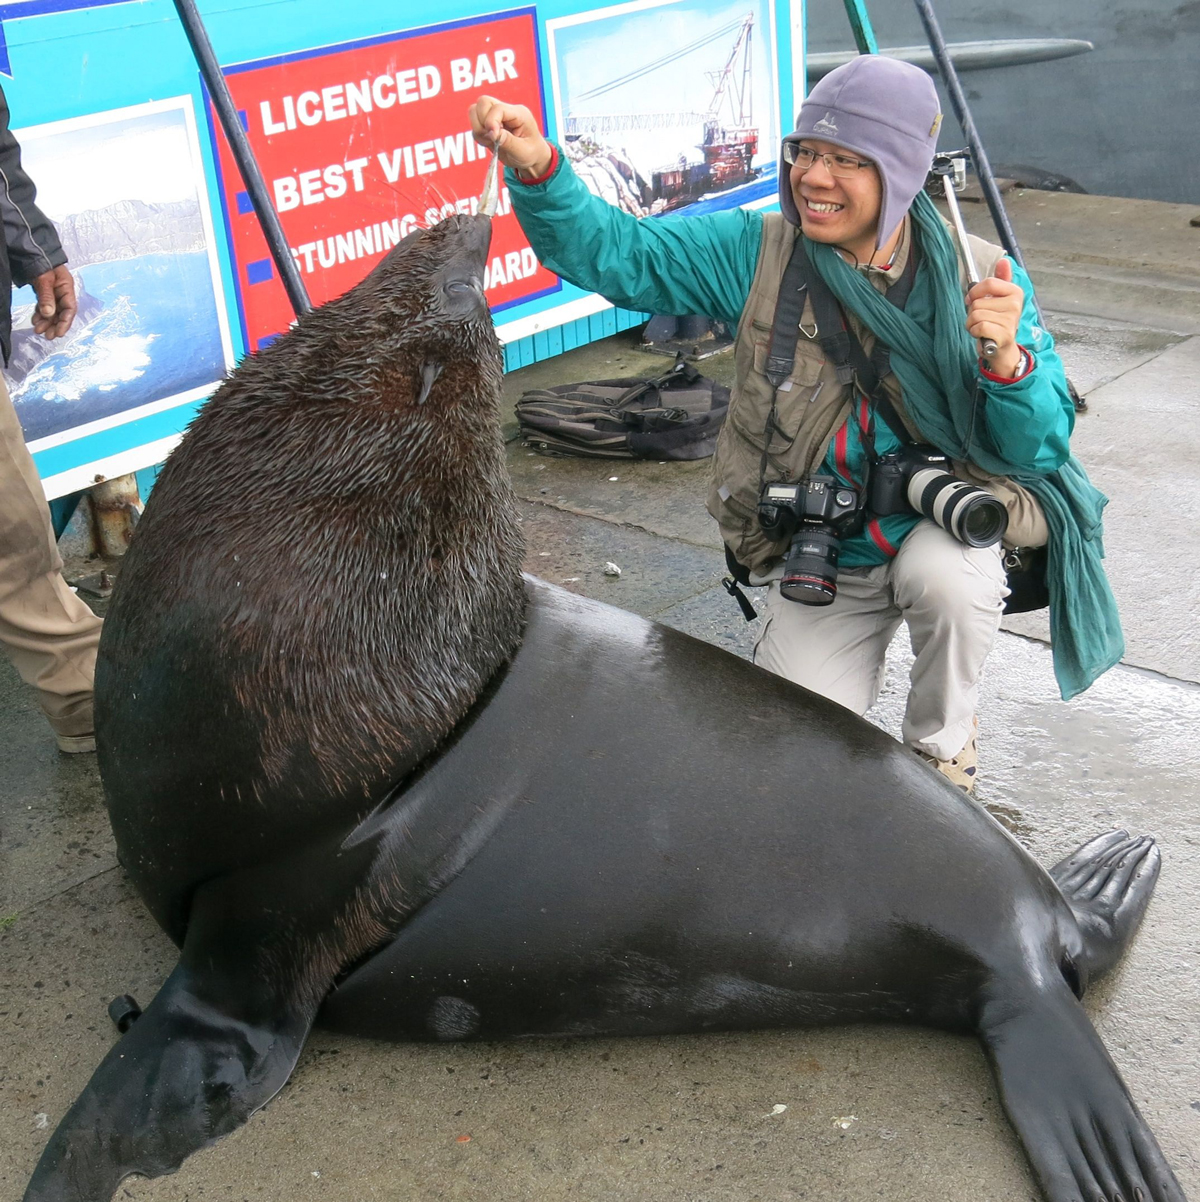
116, 507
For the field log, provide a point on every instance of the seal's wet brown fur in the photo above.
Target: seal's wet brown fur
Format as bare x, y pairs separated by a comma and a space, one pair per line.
328, 570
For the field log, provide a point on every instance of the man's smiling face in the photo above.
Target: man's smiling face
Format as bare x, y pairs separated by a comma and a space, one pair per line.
840, 210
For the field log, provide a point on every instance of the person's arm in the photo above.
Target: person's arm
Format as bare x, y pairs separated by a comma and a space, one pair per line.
35, 254
1028, 413
672, 265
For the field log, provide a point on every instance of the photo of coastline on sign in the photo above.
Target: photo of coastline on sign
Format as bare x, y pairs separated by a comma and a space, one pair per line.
688, 122
125, 190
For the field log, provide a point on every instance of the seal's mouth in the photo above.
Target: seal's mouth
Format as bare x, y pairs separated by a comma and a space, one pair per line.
466, 243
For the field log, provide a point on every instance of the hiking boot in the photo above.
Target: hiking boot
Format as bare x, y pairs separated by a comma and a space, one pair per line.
75, 729
74, 744
961, 770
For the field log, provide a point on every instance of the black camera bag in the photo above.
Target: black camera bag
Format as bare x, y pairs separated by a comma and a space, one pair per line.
1027, 587
673, 416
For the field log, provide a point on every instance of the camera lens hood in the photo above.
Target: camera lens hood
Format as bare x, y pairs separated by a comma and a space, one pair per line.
972, 515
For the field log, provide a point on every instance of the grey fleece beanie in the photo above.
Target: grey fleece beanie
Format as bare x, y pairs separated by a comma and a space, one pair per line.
883, 109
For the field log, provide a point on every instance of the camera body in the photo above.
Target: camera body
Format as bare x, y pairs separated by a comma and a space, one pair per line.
815, 514
815, 500
891, 473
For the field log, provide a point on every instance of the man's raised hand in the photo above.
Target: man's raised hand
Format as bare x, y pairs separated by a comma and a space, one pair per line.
994, 310
511, 130
56, 303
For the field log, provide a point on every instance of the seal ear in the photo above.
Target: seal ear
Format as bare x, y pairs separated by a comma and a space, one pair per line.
429, 376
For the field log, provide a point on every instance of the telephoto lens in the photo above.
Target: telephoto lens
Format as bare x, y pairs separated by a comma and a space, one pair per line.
971, 514
810, 569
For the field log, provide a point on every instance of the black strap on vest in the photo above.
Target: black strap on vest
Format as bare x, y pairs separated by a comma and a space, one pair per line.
789, 312
841, 347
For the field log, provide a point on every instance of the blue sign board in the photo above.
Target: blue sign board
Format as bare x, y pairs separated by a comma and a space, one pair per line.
661, 105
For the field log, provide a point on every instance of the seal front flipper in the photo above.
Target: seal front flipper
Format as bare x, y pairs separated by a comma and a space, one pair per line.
1084, 1137
1108, 883
218, 1041
203, 1057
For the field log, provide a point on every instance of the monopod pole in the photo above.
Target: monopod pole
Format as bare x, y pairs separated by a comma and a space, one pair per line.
983, 169
943, 166
958, 102
268, 219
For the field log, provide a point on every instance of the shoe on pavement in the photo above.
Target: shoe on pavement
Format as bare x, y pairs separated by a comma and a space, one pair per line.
962, 769
75, 744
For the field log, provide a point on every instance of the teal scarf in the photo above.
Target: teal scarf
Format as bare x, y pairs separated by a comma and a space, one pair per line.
936, 362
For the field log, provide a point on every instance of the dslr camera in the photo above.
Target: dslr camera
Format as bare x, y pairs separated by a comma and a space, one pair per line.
915, 477
815, 514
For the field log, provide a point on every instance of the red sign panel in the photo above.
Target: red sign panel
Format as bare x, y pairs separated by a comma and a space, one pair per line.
360, 144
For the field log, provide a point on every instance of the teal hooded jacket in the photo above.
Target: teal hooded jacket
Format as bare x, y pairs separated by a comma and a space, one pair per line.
706, 265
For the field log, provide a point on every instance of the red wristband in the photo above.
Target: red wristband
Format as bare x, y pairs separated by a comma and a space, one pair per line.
1026, 368
541, 179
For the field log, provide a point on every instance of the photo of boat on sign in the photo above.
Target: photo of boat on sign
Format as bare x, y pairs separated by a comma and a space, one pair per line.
688, 121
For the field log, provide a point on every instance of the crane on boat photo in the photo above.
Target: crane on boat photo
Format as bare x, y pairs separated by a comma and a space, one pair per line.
729, 139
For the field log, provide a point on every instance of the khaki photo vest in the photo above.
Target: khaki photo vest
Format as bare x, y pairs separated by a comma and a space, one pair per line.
810, 408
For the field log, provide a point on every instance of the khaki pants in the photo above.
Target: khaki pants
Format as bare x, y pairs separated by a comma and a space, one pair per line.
952, 598
48, 633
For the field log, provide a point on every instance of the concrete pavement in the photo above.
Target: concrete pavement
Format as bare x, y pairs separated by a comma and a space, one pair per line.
871, 1112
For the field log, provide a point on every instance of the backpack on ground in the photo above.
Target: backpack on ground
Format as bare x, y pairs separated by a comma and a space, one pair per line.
674, 416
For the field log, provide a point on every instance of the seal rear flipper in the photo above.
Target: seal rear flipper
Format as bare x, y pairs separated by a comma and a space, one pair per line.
1108, 883
186, 1073
1072, 1112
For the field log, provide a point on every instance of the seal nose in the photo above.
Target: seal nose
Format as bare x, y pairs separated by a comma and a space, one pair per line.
481, 234
476, 239
468, 256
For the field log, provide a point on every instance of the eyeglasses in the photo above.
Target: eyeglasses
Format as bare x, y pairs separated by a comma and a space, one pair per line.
839, 165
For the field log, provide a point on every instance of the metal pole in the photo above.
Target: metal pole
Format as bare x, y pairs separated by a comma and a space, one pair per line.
860, 24
943, 165
983, 169
958, 102
272, 230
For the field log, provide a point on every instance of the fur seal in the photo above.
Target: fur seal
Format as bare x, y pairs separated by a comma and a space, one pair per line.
362, 771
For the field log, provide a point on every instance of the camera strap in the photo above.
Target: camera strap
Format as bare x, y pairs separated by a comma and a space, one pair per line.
841, 347
789, 313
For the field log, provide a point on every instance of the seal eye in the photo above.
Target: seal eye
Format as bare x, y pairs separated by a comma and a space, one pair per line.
461, 287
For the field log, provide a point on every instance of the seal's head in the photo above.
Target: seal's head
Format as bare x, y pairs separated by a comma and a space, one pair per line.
438, 272
331, 557
423, 306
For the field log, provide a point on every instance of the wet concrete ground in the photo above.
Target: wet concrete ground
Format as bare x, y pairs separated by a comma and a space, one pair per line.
871, 1112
